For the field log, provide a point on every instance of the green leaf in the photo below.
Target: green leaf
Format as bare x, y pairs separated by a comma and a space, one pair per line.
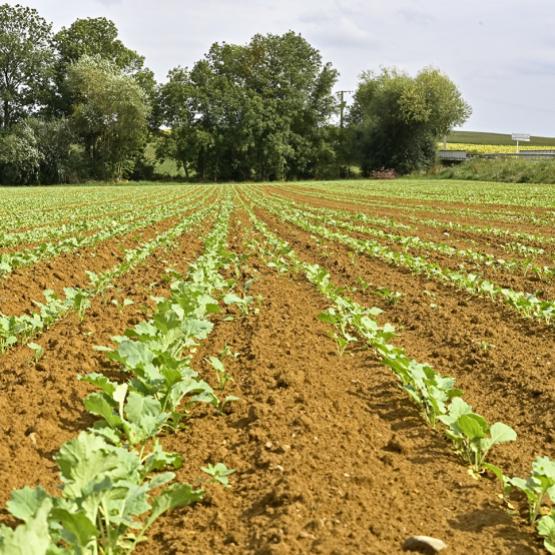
217, 364
496, 471
160, 459
25, 503
546, 529
100, 381
97, 404
77, 525
472, 426
219, 472
501, 433
31, 538
177, 495
232, 298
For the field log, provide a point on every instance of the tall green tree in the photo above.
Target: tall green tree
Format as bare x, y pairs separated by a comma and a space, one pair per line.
255, 111
396, 120
26, 58
109, 116
95, 37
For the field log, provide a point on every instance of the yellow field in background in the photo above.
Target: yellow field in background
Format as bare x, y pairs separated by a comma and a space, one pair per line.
491, 149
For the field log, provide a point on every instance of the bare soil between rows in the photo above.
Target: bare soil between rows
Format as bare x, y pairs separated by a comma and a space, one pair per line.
483, 211
20, 289
400, 212
41, 405
459, 239
503, 362
330, 456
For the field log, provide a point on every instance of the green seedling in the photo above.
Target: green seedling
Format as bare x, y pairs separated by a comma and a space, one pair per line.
546, 529
539, 487
242, 302
219, 473
121, 306
222, 375
391, 297
472, 435
38, 351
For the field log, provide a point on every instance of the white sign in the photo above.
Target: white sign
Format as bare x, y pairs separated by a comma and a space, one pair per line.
521, 137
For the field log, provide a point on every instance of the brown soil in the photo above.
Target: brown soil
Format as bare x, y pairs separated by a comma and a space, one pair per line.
401, 211
486, 211
127, 215
329, 455
41, 405
500, 360
24, 285
459, 239
106, 206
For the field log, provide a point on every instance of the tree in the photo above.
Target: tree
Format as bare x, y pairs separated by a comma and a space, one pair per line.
55, 142
257, 111
396, 120
26, 57
109, 116
20, 156
95, 37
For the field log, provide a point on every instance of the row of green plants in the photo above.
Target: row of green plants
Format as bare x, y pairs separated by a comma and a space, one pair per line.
366, 197
18, 329
78, 221
516, 241
437, 397
343, 219
40, 207
117, 479
525, 303
497, 196
26, 257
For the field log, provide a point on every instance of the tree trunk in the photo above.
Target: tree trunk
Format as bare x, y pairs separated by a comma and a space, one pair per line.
6, 114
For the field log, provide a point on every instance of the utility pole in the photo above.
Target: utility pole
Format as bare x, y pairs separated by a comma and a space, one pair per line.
342, 105
343, 170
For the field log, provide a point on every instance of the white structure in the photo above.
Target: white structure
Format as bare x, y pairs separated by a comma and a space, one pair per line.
520, 138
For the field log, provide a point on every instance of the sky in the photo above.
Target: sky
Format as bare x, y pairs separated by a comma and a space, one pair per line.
500, 53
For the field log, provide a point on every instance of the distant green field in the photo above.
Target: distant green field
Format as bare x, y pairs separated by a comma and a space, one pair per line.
167, 168
482, 138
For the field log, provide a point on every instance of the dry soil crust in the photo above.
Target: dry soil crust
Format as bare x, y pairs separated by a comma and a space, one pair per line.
330, 455
41, 404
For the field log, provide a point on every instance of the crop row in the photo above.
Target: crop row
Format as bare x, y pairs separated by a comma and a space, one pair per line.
437, 396
26, 257
524, 303
343, 219
116, 477
84, 220
448, 191
47, 214
360, 198
514, 241
15, 329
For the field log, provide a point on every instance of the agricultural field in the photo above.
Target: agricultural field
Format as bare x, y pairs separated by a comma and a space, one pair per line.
319, 367
485, 138
493, 149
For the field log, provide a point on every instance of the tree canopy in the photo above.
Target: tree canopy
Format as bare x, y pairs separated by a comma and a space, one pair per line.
396, 120
254, 111
26, 58
109, 115
81, 104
